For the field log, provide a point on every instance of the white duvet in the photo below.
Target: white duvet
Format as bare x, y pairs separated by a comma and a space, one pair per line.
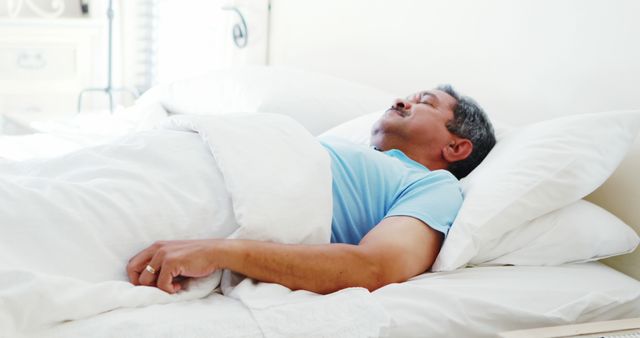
68, 225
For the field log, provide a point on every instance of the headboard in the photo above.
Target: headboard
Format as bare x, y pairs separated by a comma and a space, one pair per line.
524, 61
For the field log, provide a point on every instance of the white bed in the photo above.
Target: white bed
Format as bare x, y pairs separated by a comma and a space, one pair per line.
62, 135
479, 302
476, 302
469, 302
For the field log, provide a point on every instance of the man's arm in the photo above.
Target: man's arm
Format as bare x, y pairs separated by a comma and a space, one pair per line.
397, 249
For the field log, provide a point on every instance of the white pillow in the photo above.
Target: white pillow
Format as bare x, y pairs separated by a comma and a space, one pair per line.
533, 171
577, 233
357, 130
317, 101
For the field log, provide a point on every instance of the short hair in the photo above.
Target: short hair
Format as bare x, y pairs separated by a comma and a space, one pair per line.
470, 122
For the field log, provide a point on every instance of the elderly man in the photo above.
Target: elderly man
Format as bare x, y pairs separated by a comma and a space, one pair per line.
393, 205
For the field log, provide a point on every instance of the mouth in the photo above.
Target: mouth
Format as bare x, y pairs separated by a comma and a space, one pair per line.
400, 112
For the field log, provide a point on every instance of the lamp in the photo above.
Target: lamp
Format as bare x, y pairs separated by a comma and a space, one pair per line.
109, 90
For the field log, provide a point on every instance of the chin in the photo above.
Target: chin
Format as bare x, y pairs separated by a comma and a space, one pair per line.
375, 139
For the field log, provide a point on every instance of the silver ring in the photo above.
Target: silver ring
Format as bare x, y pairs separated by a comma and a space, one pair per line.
150, 269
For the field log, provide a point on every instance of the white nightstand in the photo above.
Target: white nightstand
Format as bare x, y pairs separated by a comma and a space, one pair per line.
46, 62
625, 328
21, 123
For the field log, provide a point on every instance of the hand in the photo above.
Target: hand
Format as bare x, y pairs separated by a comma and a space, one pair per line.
172, 261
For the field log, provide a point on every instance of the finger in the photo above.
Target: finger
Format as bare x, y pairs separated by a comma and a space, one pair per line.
166, 277
177, 286
180, 282
148, 278
133, 276
137, 264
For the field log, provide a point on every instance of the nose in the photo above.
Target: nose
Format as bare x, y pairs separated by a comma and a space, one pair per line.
402, 104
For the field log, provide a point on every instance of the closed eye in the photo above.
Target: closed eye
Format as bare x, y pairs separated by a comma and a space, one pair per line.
425, 99
427, 103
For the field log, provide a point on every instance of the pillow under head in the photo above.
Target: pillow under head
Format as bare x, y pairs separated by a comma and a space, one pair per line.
531, 173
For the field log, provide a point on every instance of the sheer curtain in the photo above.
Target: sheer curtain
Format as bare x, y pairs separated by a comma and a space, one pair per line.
190, 38
183, 38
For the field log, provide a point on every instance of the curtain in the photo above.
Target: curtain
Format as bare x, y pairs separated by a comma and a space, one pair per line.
177, 39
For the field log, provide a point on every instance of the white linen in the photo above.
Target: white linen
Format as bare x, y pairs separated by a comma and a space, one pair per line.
473, 302
345, 314
70, 224
24, 147
293, 167
213, 316
579, 232
77, 219
269, 163
532, 171
480, 302
317, 101
61, 136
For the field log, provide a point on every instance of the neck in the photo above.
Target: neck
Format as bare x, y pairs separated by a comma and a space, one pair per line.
427, 161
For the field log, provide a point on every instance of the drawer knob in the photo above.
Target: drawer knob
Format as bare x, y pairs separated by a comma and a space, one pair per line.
32, 60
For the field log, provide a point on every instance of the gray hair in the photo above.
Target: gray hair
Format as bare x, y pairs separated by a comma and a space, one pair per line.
470, 122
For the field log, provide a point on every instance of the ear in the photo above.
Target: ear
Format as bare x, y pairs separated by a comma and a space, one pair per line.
457, 150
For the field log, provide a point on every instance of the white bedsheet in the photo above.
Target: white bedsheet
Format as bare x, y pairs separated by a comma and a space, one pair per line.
24, 147
479, 302
475, 302
344, 314
64, 135
69, 224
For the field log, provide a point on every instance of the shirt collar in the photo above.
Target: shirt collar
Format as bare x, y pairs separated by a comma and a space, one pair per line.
395, 153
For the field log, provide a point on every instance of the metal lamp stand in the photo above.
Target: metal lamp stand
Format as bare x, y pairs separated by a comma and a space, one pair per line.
109, 90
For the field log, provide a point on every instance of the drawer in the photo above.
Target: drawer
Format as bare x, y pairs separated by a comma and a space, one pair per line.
38, 62
61, 101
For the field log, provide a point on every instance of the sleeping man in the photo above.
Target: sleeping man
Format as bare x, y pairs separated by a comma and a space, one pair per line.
393, 204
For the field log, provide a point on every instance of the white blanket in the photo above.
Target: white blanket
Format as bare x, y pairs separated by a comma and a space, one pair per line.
68, 225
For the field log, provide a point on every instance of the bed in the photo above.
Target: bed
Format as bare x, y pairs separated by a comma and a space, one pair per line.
62, 135
511, 280
475, 302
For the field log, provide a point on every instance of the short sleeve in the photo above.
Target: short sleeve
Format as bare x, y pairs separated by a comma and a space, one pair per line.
434, 199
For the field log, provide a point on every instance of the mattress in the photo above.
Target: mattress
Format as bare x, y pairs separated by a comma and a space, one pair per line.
482, 301
472, 302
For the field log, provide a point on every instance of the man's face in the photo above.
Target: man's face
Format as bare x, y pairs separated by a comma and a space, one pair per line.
416, 125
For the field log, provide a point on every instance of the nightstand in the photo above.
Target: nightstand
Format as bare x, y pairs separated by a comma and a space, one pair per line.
46, 62
625, 328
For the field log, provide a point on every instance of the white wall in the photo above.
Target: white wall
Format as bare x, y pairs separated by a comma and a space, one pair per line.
539, 57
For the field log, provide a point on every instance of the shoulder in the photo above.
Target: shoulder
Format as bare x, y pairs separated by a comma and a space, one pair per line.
440, 183
444, 176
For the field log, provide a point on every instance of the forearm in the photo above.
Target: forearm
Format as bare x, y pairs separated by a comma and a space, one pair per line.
396, 250
319, 268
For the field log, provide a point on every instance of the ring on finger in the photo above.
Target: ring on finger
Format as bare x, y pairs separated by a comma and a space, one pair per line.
150, 269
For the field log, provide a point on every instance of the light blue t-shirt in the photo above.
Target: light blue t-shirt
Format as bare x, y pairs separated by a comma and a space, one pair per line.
369, 185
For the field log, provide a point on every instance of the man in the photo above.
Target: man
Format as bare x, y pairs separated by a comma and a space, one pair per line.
392, 207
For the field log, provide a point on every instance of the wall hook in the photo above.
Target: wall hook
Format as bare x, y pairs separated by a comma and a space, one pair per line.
240, 31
